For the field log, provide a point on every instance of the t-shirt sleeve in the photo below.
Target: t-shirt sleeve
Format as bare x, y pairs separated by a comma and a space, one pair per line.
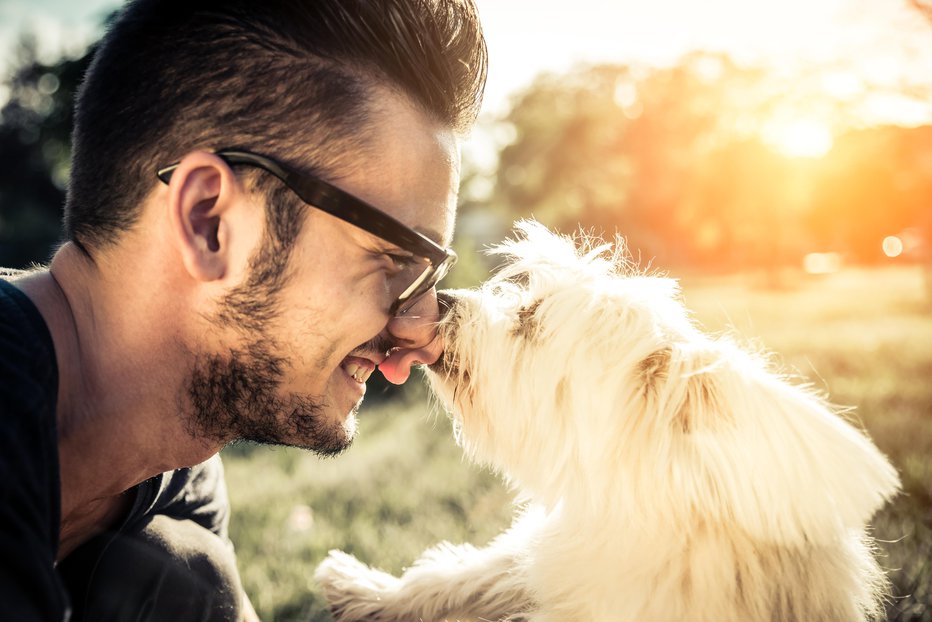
205, 498
197, 493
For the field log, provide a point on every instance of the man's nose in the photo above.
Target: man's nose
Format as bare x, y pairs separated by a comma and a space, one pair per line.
415, 337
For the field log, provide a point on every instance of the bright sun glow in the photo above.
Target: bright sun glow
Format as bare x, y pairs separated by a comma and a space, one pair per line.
799, 138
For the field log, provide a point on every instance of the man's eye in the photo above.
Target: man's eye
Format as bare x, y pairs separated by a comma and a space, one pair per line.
402, 261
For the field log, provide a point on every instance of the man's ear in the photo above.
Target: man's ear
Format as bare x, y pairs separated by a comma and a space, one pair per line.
201, 195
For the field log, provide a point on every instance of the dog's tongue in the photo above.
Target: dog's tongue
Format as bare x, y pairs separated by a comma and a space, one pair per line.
397, 366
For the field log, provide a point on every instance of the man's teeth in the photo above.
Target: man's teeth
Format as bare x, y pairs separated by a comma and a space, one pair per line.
359, 373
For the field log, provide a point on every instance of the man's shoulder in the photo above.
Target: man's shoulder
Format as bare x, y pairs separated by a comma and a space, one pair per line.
197, 493
27, 353
28, 374
29, 484
15, 305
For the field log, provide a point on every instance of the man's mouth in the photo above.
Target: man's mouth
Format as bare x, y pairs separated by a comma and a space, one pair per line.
358, 368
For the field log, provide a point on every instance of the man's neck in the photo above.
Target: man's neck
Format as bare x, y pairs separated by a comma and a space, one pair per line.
121, 382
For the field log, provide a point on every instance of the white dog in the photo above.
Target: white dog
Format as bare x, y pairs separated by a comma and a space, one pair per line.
669, 475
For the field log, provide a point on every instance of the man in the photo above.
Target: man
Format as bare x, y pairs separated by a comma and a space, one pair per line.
260, 203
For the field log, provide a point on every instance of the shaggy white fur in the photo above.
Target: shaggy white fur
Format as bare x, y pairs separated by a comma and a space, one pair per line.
670, 475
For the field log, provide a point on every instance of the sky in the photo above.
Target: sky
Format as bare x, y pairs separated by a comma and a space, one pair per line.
879, 40
62, 25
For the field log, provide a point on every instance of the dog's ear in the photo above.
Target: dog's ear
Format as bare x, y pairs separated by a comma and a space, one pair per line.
537, 258
745, 447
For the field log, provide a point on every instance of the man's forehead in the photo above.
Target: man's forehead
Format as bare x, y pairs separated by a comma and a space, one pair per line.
434, 215
410, 167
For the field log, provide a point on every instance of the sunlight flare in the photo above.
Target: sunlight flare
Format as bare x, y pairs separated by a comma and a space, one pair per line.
799, 138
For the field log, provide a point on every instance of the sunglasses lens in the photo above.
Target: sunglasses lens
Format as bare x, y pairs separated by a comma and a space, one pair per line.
423, 284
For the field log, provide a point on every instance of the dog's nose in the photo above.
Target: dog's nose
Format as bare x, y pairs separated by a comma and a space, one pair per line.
446, 300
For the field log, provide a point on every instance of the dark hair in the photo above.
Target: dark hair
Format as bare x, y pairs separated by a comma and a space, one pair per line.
293, 79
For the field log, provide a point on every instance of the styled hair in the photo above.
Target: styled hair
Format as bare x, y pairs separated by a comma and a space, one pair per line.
293, 79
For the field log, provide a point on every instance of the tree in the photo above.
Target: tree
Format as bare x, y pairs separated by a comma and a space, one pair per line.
35, 130
695, 165
923, 6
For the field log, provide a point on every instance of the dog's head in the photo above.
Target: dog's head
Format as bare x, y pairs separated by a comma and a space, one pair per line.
537, 360
586, 382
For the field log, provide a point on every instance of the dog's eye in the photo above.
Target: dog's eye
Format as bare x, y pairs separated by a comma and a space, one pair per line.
526, 323
526, 313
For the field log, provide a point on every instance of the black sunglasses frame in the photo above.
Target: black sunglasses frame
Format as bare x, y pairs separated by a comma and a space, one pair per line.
326, 197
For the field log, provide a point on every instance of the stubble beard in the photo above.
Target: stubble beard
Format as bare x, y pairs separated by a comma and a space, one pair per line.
235, 397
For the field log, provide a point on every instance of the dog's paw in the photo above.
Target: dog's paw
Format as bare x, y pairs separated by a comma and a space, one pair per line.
353, 590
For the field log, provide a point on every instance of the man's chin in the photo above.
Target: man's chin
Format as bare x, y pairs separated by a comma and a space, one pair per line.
340, 441
312, 431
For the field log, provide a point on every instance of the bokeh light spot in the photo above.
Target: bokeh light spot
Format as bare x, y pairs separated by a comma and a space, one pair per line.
822, 263
892, 246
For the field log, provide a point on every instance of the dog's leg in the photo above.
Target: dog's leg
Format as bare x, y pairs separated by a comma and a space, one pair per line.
455, 583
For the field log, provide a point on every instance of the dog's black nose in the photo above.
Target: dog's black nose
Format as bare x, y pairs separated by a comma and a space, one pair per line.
446, 299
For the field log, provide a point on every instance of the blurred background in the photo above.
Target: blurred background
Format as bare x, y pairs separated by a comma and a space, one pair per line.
774, 157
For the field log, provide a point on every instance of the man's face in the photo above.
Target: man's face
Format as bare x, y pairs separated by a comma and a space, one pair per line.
299, 379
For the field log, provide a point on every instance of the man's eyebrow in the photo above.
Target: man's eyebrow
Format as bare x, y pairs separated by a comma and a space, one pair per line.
434, 236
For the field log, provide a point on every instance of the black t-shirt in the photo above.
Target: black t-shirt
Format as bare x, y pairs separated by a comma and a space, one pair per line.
30, 589
30, 495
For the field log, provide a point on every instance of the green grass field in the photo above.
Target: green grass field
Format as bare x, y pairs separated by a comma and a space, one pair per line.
863, 336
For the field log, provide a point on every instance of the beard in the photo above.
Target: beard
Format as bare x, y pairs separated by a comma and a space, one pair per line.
236, 397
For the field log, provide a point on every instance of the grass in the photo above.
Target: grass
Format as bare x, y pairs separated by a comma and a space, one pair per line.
864, 336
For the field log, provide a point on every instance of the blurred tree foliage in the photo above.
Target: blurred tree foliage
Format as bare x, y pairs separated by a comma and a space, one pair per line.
35, 132
677, 161
923, 6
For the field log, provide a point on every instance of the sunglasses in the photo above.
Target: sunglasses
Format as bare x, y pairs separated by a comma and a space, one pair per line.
431, 262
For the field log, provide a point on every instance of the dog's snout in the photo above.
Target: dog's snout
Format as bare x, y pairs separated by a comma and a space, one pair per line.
446, 300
